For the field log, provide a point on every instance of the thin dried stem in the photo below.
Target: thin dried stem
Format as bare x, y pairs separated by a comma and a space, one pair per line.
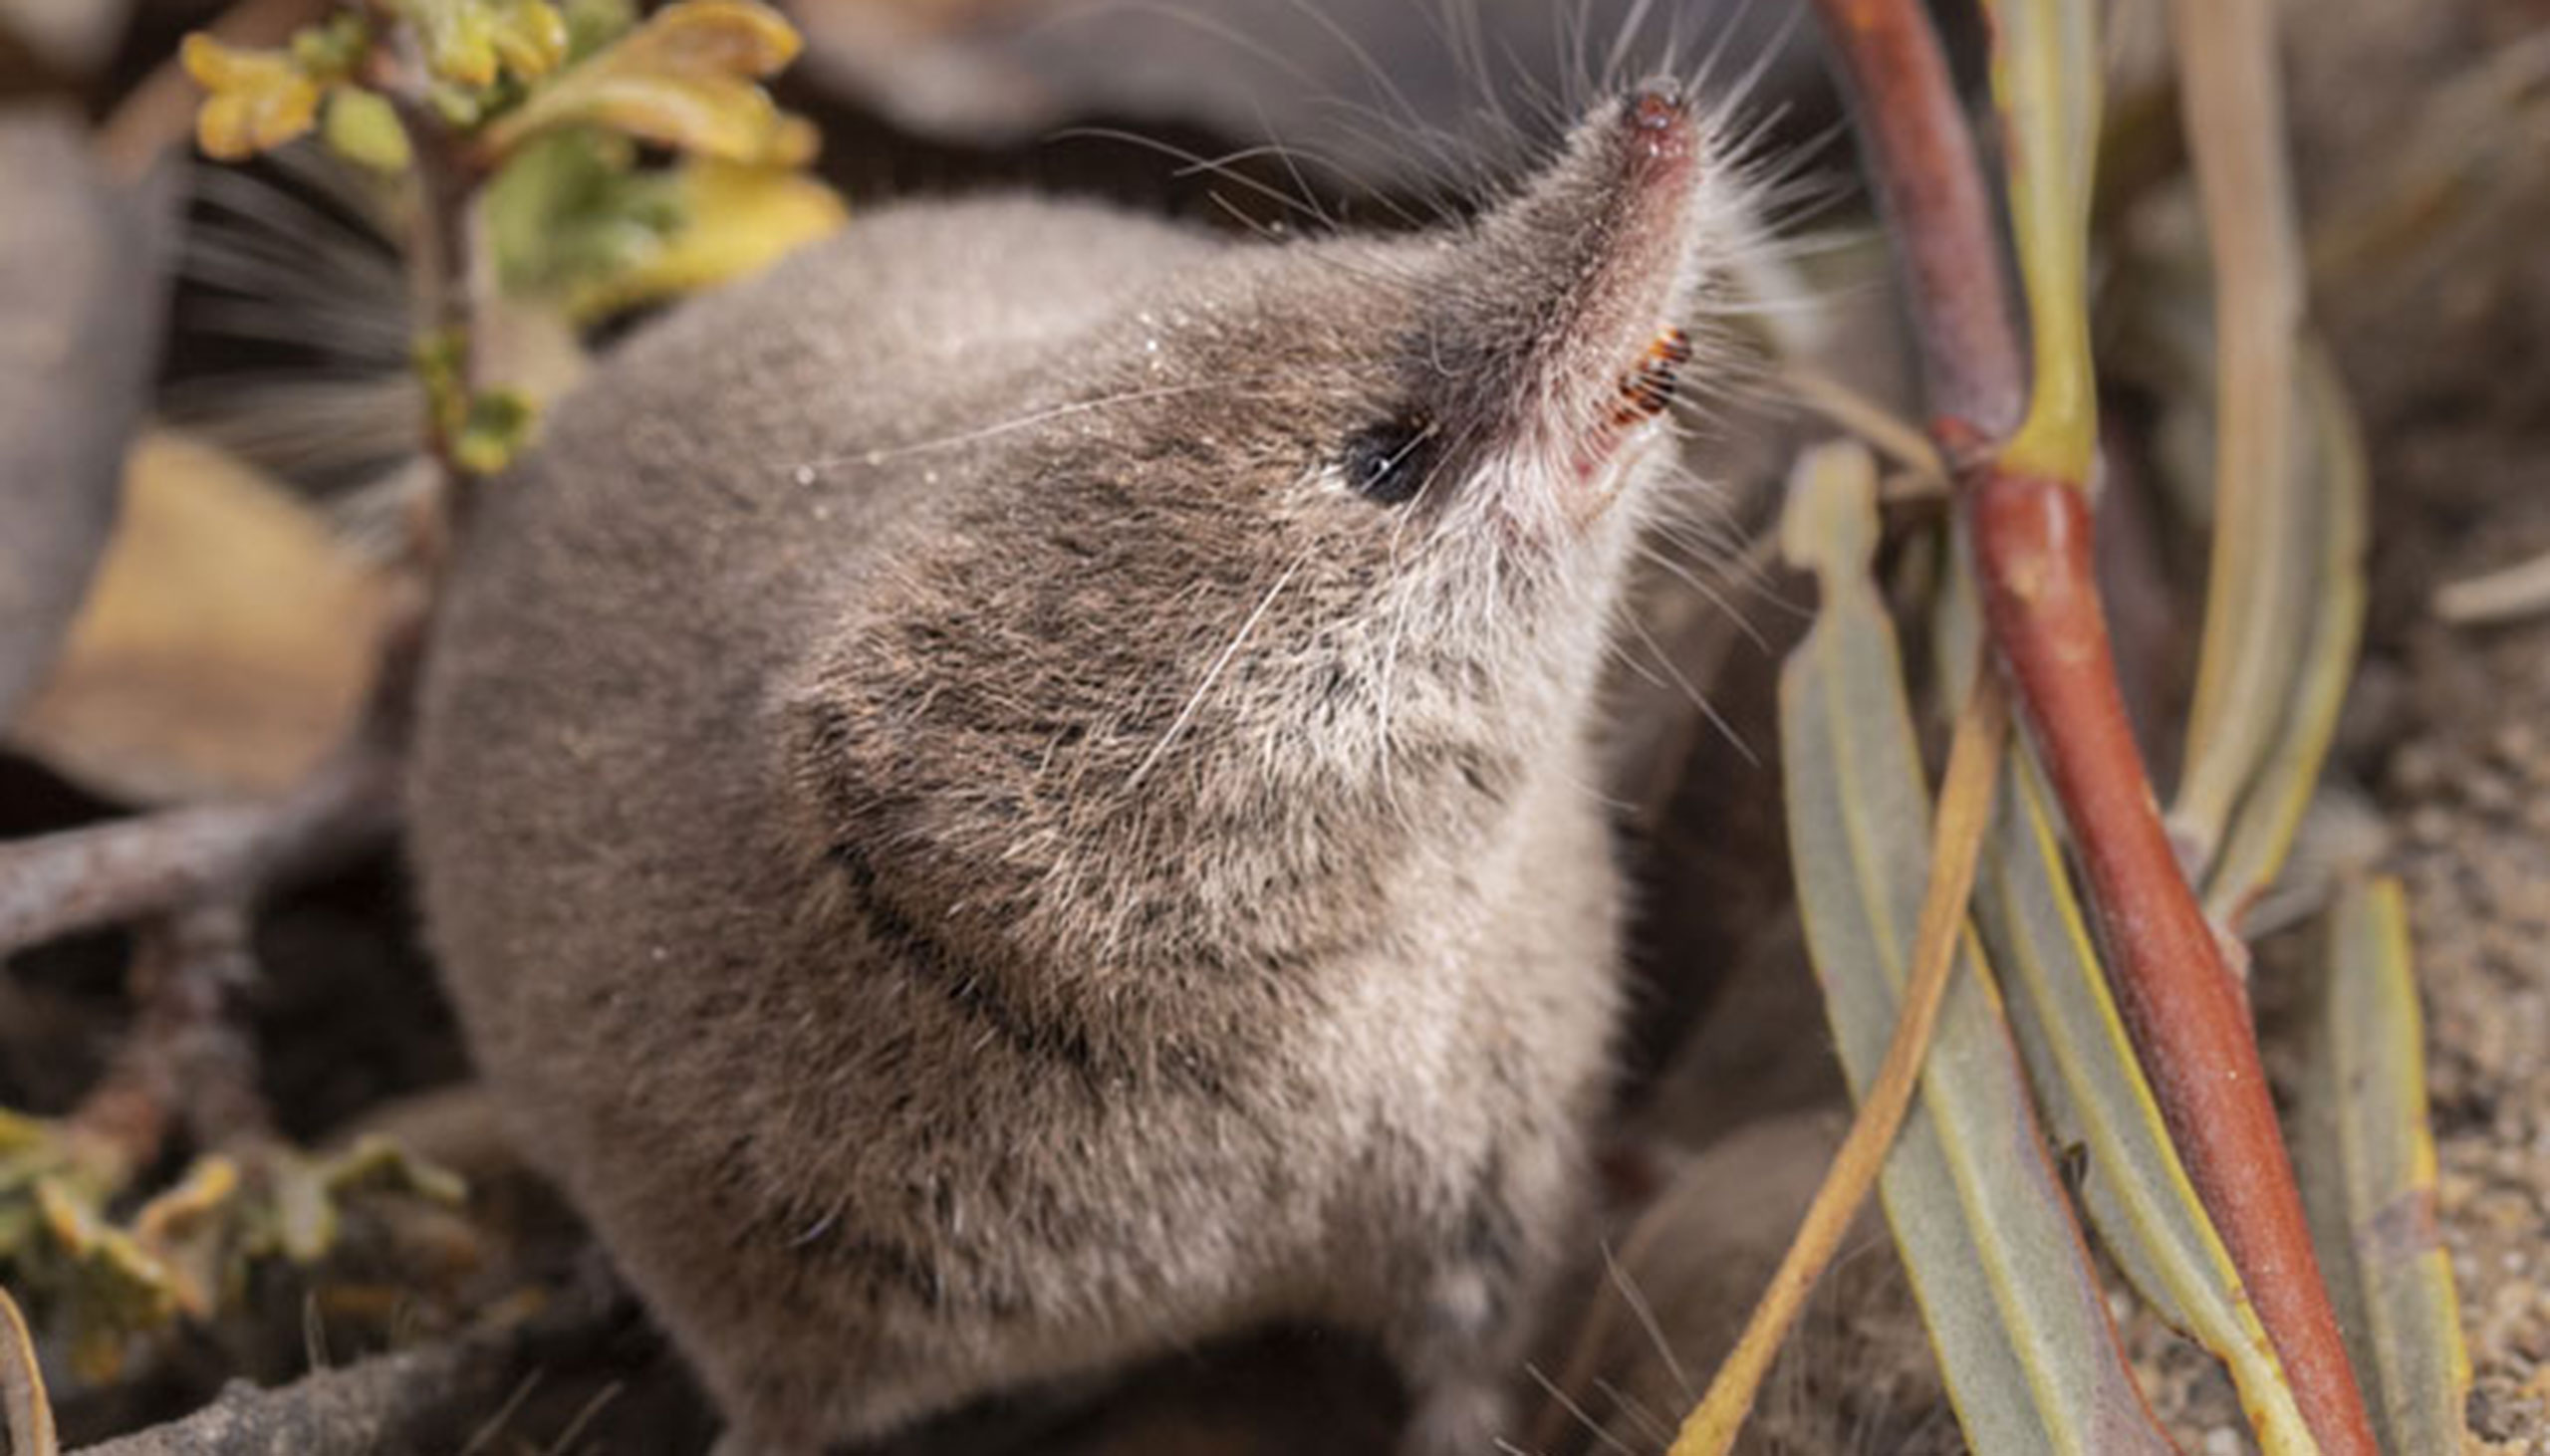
81, 880
2233, 102
1957, 840
431, 1398
187, 1059
2521, 589
129, 869
21, 1397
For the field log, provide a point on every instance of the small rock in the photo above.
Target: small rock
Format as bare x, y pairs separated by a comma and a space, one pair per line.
2489, 791
2518, 746
2416, 769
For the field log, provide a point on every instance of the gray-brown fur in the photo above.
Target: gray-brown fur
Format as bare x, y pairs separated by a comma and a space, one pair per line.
974, 856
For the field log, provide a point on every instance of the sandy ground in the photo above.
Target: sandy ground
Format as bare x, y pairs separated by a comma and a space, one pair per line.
2450, 727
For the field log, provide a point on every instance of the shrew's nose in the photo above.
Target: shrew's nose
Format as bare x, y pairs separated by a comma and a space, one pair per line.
1657, 122
1659, 108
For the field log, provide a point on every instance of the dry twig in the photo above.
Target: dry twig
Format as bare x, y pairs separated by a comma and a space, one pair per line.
79, 880
1965, 810
427, 1401
188, 1056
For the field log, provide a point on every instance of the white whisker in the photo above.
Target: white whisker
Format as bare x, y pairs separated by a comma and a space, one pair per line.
1569, 1404
1213, 673
1645, 1314
882, 455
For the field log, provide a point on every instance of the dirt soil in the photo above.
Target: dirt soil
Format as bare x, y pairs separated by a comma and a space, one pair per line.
2450, 727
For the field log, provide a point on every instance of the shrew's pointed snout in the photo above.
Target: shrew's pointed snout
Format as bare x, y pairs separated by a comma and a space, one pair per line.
1660, 124
1597, 261
1659, 108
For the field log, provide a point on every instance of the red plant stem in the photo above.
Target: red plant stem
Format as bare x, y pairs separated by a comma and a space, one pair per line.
2032, 542
1923, 154
2189, 1016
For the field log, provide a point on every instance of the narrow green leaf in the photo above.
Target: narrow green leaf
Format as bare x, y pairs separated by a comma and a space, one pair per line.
2257, 603
1998, 1263
2095, 1098
2045, 74
2333, 504
2240, 808
2369, 1178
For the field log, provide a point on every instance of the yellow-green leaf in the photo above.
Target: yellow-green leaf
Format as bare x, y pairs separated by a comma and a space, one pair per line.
332, 52
27, 1149
2256, 610
732, 219
362, 128
377, 1162
573, 209
188, 1230
474, 42
116, 1289
308, 1193
492, 430
687, 78
593, 24
305, 1210
2332, 510
1998, 1263
2045, 75
2366, 1162
257, 100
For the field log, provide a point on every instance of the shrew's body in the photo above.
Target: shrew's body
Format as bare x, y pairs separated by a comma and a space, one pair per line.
1020, 790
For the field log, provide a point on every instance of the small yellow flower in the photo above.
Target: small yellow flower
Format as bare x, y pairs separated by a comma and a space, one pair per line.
257, 100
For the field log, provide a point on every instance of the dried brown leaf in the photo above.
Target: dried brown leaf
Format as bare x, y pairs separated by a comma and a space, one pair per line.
225, 649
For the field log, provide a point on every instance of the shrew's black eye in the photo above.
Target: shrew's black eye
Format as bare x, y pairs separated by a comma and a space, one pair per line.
1391, 461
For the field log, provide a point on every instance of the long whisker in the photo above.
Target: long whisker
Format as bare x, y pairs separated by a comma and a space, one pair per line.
1645, 1314
1649, 1424
1569, 1404
1710, 594
1699, 699
1194, 162
881, 454
1213, 673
